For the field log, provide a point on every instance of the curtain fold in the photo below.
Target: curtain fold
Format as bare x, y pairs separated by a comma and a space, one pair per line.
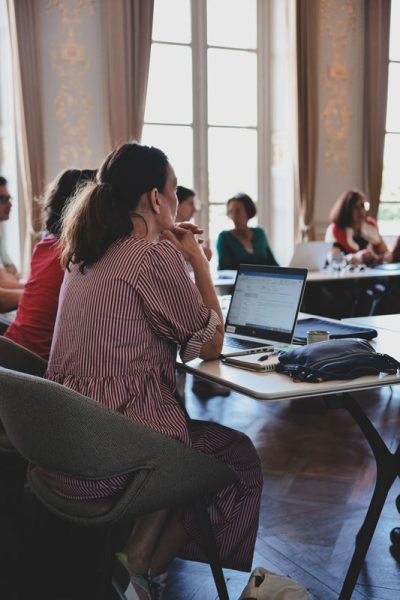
377, 29
25, 36
127, 33
307, 45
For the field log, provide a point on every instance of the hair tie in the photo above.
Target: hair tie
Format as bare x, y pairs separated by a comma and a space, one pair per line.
106, 186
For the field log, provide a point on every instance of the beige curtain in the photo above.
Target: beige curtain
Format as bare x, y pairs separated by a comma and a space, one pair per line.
307, 45
377, 27
127, 29
24, 34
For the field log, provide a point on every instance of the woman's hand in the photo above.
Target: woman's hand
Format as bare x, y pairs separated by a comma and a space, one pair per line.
182, 236
364, 257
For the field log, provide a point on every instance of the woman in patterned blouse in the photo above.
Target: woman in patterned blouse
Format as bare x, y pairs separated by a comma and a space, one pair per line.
126, 305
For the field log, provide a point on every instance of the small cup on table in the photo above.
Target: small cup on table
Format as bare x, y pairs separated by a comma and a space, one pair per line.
317, 335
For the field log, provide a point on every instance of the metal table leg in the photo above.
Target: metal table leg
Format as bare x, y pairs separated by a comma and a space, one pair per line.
388, 468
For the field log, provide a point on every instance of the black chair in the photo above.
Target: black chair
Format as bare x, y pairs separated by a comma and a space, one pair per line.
64, 432
12, 472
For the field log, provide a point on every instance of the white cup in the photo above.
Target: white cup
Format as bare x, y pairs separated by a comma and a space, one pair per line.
317, 335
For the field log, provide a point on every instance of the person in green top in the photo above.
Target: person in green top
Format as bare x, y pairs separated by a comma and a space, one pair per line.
243, 244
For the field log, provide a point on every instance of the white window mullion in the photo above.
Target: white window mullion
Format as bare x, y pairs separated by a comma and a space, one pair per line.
200, 108
263, 116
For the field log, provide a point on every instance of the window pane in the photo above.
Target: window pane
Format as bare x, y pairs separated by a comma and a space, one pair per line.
394, 48
232, 160
391, 171
232, 23
169, 92
171, 21
232, 88
393, 112
218, 220
177, 143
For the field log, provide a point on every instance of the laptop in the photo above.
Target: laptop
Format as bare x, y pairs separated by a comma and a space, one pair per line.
310, 255
263, 311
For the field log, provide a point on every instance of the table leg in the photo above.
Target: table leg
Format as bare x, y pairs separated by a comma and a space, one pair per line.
388, 468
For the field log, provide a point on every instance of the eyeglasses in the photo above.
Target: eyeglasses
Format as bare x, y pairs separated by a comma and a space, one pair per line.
4, 198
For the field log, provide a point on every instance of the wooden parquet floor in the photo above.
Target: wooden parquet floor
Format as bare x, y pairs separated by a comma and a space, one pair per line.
319, 475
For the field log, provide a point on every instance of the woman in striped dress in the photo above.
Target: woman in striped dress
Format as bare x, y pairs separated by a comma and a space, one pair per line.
126, 305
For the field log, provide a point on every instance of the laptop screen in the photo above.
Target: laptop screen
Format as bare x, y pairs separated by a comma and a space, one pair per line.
265, 302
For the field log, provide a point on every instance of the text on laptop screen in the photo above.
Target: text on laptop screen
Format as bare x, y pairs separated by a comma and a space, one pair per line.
265, 301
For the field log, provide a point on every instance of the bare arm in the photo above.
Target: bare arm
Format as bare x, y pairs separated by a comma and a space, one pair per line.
185, 241
9, 281
9, 299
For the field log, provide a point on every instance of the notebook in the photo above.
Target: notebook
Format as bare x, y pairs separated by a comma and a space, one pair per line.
264, 307
310, 255
254, 362
336, 330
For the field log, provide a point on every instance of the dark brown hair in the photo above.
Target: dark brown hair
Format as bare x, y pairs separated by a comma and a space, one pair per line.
59, 192
247, 202
342, 211
102, 213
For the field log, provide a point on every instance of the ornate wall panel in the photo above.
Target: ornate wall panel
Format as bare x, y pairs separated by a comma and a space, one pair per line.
72, 67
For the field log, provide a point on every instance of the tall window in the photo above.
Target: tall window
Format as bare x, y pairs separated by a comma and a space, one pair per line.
205, 104
389, 208
8, 150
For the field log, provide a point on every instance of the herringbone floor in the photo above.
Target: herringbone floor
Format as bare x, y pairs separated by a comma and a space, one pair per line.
318, 478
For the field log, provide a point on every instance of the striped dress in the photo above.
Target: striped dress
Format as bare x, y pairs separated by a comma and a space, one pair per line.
117, 332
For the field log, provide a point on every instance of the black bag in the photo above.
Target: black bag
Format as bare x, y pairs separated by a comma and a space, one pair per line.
335, 359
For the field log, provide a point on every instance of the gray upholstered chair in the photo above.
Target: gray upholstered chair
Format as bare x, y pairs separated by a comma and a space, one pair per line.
64, 432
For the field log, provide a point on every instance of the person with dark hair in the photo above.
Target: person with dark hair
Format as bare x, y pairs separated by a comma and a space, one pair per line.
34, 322
353, 232
10, 286
126, 305
243, 244
186, 204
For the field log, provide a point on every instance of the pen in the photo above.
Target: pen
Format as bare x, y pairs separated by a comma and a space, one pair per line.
265, 356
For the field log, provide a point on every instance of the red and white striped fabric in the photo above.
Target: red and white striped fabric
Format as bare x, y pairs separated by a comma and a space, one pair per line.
117, 332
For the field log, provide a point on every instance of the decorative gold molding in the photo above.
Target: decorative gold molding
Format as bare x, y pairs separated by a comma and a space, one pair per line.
71, 61
338, 18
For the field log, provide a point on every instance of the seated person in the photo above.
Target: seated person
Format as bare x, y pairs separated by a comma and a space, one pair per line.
353, 232
10, 286
243, 244
126, 306
34, 323
187, 208
393, 256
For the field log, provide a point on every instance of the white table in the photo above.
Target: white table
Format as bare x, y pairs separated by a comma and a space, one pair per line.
389, 322
274, 386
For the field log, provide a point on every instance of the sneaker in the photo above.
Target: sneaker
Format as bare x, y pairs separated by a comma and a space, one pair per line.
158, 585
129, 587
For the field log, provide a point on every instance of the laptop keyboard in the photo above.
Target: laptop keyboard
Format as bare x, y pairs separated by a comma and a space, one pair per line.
241, 344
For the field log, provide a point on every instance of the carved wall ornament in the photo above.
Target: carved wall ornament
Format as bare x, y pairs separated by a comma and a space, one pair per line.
338, 19
71, 61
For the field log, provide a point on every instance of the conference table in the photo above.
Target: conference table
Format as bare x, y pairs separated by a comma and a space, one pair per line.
272, 386
227, 278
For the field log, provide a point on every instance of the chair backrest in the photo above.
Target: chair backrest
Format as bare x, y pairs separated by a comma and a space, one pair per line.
65, 432
16, 357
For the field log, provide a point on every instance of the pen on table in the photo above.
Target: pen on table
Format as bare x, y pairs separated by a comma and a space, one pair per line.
265, 356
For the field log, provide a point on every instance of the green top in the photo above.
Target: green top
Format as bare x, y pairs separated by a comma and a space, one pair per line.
231, 252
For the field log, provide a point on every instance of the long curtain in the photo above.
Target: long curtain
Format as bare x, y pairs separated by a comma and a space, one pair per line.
377, 28
127, 30
307, 44
24, 35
